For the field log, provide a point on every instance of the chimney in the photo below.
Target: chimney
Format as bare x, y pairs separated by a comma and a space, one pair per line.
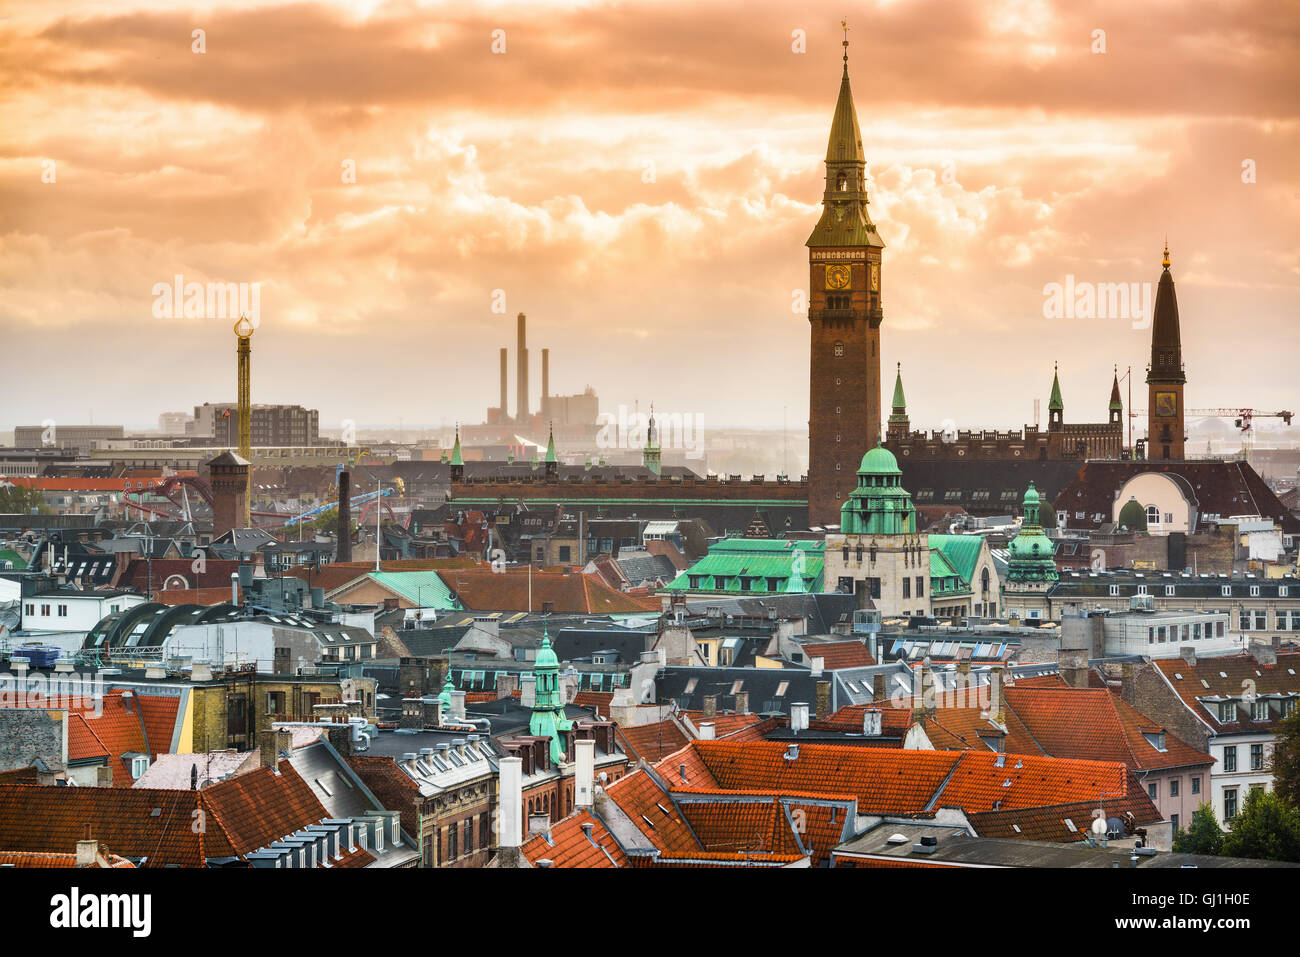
104, 776
343, 530
823, 700
799, 716
1188, 654
546, 379
201, 671
708, 731
271, 742
88, 852
742, 702
505, 409
528, 690
995, 696
511, 790
458, 706
584, 771
818, 665
872, 723
710, 705
506, 685
521, 385
878, 690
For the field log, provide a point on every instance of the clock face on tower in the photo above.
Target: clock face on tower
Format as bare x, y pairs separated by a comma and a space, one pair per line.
838, 277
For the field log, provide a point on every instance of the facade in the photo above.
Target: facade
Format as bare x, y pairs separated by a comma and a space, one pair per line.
844, 316
81, 438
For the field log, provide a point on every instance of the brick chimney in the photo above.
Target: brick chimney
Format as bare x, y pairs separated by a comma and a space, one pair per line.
879, 690
710, 705
271, 742
823, 700
742, 702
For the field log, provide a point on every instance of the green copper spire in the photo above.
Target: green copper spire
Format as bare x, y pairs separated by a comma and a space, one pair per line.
1054, 404
445, 697
548, 719
1116, 403
550, 446
844, 220
455, 450
900, 401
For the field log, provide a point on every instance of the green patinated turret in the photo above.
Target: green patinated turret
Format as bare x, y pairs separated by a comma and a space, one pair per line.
1032, 553
879, 505
548, 720
844, 220
445, 697
455, 450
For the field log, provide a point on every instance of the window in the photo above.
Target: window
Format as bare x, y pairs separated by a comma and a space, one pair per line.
838, 349
1257, 757
469, 835
1230, 758
565, 551
63, 611
1259, 711
1229, 803
1154, 789
1153, 515
451, 842
907, 588
484, 831
1196, 785
1173, 819
1173, 787
920, 586
1114, 591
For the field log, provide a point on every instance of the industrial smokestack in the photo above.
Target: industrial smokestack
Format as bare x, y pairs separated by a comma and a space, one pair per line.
343, 552
505, 409
521, 399
546, 382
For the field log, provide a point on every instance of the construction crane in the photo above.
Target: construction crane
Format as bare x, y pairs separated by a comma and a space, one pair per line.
1243, 419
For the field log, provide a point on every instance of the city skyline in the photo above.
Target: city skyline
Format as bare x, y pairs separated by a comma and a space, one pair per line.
646, 209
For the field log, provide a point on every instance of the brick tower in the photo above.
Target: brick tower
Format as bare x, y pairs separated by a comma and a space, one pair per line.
844, 316
228, 476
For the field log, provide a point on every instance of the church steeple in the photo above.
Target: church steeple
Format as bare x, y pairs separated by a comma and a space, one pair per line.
1165, 375
457, 462
552, 462
1055, 405
1116, 403
899, 424
650, 455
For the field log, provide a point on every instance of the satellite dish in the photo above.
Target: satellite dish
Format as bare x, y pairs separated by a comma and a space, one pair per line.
1099, 827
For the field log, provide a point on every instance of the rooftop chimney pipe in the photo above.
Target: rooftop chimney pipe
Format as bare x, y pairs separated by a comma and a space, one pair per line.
343, 551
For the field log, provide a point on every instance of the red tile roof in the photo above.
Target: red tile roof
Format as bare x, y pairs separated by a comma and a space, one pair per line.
482, 589
839, 654
1229, 676
83, 743
894, 722
395, 789
48, 860
1067, 823
987, 781
569, 845
654, 741
260, 807
652, 811
1094, 724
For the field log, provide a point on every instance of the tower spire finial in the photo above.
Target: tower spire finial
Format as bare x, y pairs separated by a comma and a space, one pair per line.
844, 25
1166, 262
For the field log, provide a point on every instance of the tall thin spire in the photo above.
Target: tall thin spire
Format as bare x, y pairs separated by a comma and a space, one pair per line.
1166, 262
844, 24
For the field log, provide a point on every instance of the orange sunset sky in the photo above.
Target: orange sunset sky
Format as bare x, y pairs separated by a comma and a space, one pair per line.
1004, 155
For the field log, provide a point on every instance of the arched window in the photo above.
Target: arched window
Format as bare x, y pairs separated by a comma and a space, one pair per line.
984, 581
842, 183
1153, 514
838, 349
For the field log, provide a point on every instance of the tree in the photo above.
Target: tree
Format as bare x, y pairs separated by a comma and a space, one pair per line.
1202, 835
1285, 763
1268, 828
17, 500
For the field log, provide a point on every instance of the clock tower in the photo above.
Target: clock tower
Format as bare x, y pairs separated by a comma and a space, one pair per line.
1166, 433
844, 316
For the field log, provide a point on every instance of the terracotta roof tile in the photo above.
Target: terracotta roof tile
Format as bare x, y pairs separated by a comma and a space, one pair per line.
654, 741
569, 845
260, 807
1094, 724
48, 860
1226, 677
653, 812
839, 654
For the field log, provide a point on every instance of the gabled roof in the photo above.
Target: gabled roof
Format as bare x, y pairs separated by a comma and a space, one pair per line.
567, 845
1092, 723
1202, 685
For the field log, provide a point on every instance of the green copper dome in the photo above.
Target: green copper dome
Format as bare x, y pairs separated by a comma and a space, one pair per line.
548, 719
445, 697
879, 505
546, 658
1031, 495
879, 461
